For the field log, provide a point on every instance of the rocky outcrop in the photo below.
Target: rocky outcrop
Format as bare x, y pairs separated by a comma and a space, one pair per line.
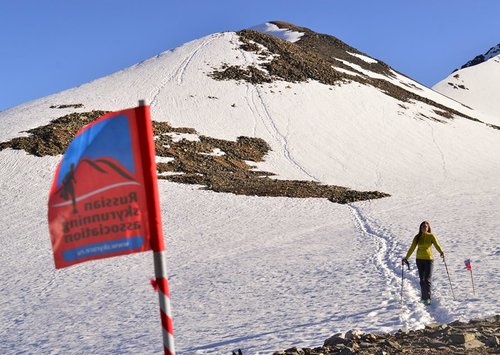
216, 164
52, 139
480, 336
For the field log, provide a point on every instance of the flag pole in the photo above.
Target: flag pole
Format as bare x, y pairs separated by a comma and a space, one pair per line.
468, 266
145, 129
472, 279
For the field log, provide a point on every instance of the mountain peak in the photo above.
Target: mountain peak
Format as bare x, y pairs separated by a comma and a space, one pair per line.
297, 54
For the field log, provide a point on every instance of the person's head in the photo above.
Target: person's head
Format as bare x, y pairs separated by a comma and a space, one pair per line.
425, 227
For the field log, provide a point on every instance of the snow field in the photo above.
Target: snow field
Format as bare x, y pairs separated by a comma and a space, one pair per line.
260, 274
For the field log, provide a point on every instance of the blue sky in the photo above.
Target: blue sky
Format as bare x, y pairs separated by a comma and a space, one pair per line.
47, 46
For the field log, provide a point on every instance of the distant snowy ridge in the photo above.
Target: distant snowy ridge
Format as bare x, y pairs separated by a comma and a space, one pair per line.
477, 85
492, 52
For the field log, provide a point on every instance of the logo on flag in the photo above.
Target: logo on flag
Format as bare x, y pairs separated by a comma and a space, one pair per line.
468, 264
98, 203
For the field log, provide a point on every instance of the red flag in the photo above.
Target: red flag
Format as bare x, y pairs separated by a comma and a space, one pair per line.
468, 264
104, 198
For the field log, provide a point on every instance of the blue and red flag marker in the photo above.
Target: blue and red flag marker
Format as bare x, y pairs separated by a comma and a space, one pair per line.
468, 266
104, 199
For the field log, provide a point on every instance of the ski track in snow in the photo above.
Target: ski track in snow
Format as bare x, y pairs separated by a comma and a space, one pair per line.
445, 170
379, 181
413, 314
278, 136
259, 108
251, 107
179, 72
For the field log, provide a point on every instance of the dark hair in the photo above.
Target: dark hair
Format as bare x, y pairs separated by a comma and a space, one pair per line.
420, 230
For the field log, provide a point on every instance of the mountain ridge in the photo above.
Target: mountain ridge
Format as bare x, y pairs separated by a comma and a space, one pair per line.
476, 85
481, 58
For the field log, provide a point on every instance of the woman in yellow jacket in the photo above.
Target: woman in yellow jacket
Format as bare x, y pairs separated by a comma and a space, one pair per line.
424, 240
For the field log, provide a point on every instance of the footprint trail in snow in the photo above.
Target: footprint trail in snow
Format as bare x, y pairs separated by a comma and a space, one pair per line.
386, 260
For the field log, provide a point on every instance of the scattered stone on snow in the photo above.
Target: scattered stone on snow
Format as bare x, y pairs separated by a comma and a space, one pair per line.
479, 336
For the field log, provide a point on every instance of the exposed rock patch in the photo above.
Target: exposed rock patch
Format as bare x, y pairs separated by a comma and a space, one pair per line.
67, 106
289, 62
455, 86
479, 336
332, 48
52, 139
217, 164
250, 74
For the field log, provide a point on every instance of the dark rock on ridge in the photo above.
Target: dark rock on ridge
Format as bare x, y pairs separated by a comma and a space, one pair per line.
493, 51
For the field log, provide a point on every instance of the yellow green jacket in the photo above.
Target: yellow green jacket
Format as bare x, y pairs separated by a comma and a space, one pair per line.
424, 246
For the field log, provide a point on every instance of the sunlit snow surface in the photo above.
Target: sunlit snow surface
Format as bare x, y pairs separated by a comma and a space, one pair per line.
363, 57
260, 274
477, 86
283, 33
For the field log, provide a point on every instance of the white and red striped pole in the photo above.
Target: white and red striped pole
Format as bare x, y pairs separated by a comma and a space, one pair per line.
164, 298
145, 128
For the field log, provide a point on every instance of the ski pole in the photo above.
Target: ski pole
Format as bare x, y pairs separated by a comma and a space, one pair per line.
473, 290
402, 280
404, 261
449, 279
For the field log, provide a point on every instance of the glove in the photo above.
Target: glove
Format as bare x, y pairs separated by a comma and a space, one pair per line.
405, 261
442, 255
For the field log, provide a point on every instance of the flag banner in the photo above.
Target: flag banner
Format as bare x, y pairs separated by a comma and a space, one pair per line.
468, 264
101, 199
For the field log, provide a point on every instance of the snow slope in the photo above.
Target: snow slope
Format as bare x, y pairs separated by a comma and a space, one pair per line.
476, 86
260, 273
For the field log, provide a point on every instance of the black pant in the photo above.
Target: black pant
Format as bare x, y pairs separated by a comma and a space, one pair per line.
425, 274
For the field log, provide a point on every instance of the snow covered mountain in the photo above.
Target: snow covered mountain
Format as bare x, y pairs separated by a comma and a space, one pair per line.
260, 273
476, 84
